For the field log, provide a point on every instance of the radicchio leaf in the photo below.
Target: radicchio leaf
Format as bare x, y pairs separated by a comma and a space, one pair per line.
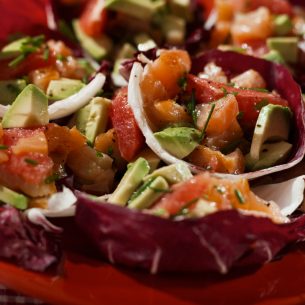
277, 77
216, 242
25, 244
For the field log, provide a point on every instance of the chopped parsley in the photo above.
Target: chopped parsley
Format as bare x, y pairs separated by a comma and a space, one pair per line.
141, 189
191, 107
46, 53
29, 46
99, 154
3, 147
206, 123
239, 196
158, 190
259, 89
264, 102
182, 82
184, 209
31, 161
240, 115
52, 178
110, 151
89, 143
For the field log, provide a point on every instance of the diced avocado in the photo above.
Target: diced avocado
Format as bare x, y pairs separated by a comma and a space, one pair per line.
174, 28
144, 9
148, 193
30, 109
13, 49
130, 182
274, 56
98, 48
12, 198
125, 52
60, 89
286, 46
271, 154
178, 141
9, 90
152, 159
181, 8
92, 119
273, 124
80, 119
226, 47
98, 117
173, 173
282, 25
144, 42
85, 65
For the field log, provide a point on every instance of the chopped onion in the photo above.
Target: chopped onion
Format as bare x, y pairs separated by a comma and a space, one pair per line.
61, 204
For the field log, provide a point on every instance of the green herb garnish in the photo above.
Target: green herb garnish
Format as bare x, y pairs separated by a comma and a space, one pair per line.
99, 154
46, 53
157, 190
240, 115
141, 189
184, 209
206, 123
31, 161
3, 147
264, 102
110, 151
239, 196
52, 178
29, 46
182, 82
191, 107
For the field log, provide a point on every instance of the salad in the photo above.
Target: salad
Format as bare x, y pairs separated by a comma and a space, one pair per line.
134, 117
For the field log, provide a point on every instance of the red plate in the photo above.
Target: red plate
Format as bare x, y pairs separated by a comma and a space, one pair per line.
89, 281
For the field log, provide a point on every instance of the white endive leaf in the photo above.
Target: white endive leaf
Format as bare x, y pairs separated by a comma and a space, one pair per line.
65, 107
61, 204
288, 195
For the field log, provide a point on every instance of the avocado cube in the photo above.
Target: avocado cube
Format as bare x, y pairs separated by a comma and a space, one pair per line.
272, 154
282, 25
274, 56
13, 49
286, 46
178, 141
9, 90
173, 173
174, 28
98, 48
30, 109
144, 9
92, 119
181, 8
130, 182
148, 193
12, 198
60, 89
273, 124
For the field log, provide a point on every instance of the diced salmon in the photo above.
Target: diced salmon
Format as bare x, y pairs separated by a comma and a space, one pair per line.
233, 163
